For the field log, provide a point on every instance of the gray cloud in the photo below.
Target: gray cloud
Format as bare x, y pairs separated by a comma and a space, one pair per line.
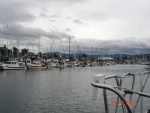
112, 19
54, 16
43, 15
15, 31
29, 37
77, 21
68, 29
11, 12
65, 1
52, 20
128, 45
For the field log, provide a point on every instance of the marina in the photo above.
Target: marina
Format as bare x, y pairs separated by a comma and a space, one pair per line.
62, 90
74, 56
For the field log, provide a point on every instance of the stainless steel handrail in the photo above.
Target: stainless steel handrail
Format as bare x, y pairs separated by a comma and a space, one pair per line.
117, 90
119, 93
142, 86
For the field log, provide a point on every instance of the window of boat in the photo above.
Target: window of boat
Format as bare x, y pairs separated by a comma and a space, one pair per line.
7, 62
13, 62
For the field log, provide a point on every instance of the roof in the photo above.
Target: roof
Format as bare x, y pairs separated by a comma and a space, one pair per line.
105, 58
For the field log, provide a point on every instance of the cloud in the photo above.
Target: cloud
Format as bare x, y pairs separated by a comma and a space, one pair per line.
11, 12
15, 31
122, 26
52, 20
77, 21
43, 15
54, 16
130, 45
68, 29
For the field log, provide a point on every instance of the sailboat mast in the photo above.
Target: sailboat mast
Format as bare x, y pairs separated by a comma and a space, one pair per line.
69, 47
17, 48
52, 51
7, 41
92, 52
39, 43
78, 52
60, 48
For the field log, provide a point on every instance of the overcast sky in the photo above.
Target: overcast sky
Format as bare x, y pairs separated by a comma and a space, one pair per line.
112, 25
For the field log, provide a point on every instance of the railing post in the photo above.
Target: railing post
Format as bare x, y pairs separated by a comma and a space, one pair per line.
105, 101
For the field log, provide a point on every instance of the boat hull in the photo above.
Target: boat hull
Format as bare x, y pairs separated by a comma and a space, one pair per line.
12, 68
35, 66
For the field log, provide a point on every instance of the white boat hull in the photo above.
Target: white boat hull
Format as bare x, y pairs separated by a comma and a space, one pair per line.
32, 66
12, 65
35, 64
13, 68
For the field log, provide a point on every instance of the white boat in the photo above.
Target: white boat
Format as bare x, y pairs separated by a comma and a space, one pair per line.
35, 64
94, 63
147, 63
53, 64
76, 64
12, 65
85, 64
105, 61
147, 68
67, 63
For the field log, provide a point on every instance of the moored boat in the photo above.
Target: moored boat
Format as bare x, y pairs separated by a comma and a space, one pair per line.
36, 64
147, 63
12, 65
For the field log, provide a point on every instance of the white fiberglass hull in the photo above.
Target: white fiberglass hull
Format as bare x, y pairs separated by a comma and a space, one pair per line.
12, 68
12, 65
36, 66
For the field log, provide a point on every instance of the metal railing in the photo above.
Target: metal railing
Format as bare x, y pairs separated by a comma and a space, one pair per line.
126, 108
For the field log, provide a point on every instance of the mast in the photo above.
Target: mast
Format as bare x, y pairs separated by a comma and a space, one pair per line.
39, 43
7, 42
52, 53
63, 49
12, 54
92, 51
77, 49
69, 47
17, 48
78, 52
0, 53
95, 52
53, 48
60, 48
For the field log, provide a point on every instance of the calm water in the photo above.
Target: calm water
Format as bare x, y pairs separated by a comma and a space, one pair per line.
65, 90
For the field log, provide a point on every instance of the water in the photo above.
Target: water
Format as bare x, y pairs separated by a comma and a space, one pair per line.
66, 90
